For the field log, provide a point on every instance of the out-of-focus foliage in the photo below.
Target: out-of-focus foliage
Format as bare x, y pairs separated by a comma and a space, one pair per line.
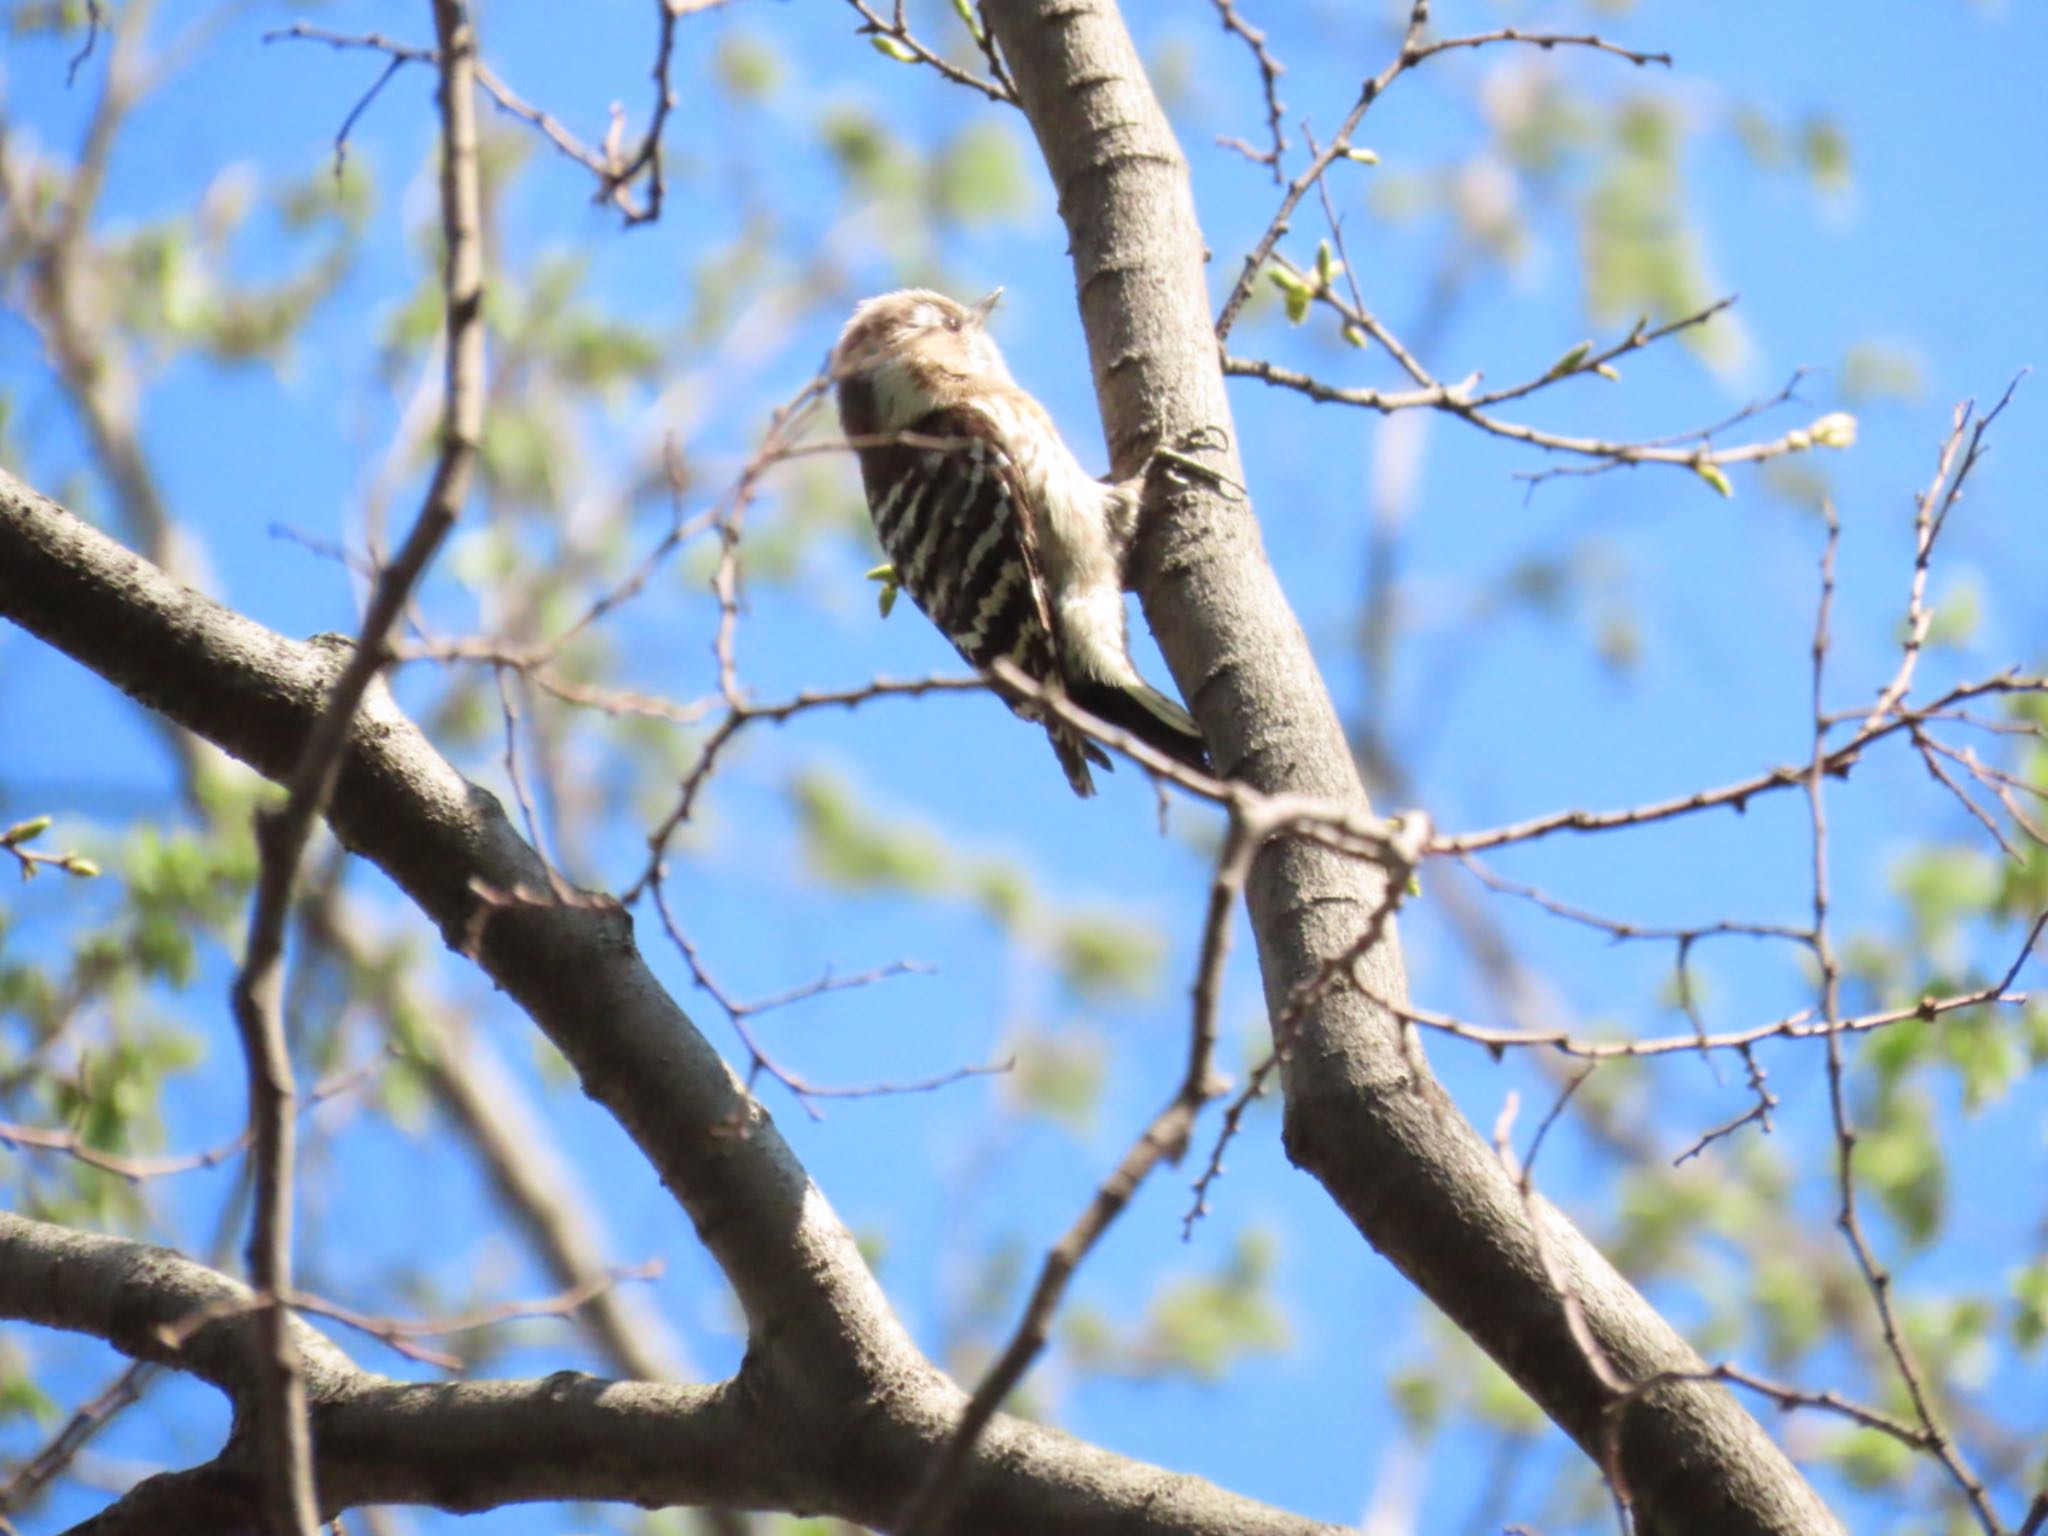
616, 420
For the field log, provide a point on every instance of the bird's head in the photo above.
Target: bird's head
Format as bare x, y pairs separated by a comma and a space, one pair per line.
911, 352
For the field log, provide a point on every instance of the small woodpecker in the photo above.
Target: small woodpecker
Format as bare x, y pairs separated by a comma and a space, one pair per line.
994, 528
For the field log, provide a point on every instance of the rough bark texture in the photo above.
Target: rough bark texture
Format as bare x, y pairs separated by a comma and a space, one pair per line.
1364, 1115
835, 1410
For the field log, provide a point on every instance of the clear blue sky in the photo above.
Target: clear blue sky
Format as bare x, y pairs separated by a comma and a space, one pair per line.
1937, 250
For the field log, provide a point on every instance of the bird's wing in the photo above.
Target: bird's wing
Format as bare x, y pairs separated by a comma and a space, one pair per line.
947, 509
951, 514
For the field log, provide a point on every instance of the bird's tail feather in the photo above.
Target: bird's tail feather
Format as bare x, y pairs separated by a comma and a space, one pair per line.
1150, 716
1075, 753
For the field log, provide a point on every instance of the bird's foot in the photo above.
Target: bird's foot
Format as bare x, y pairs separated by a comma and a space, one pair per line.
1180, 458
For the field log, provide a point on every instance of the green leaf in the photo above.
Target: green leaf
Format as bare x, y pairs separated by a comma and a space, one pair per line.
1103, 953
1794, 1315
2030, 1305
1002, 891
890, 47
847, 847
1294, 293
1327, 266
24, 831
1061, 1077
20, 1397
748, 66
1981, 1048
1642, 248
1713, 474
1204, 1325
1875, 370
1572, 362
1870, 1458
1824, 148
1958, 614
1419, 1399
1943, 888
980, 176
885, 599
1501, 1403
1899, 1160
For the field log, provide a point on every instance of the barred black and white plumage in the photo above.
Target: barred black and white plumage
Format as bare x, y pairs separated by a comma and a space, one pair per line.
995, 531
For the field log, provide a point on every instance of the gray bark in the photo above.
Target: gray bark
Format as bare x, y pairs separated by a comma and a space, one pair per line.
1364, 1115
835, 1410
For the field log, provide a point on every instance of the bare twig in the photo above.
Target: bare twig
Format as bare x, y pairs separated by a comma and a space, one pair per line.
1622, 929
1836, 764
616, 168
1164, 1139
508, 706
282, 835
35, 1474
1930, 516
95, 19
403, 1334
139, 1169
348, 124
1877, 1278
1802, 1025
1413, 50
1687, 450
739, 1013
1270, 71
1400, 856
893, 37
1597, 1359
1758, 1113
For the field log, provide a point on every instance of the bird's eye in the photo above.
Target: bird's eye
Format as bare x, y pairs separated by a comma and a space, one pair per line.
952, 322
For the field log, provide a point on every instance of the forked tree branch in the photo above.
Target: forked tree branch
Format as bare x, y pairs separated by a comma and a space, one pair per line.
1364, 1114
854, 1412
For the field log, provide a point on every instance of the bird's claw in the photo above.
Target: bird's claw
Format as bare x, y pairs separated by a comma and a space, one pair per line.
1206, 439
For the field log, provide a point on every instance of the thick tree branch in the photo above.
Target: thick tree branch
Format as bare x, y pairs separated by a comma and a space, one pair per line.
1364, 1114
480, 1444
455, 1445
570, 964
832, 1383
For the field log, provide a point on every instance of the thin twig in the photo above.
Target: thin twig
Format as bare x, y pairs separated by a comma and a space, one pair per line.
1836, 764
897, 40
1801, 1025
1686, 450
1930, 516
95, 19
1877, 1279
739, 1014
286, 1458
137, 1170
35, 1474
403, 1334
1164, 1139
616, 169
1270, 71
1413, 51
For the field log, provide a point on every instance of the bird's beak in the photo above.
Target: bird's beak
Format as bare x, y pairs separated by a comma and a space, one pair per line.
980, 309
